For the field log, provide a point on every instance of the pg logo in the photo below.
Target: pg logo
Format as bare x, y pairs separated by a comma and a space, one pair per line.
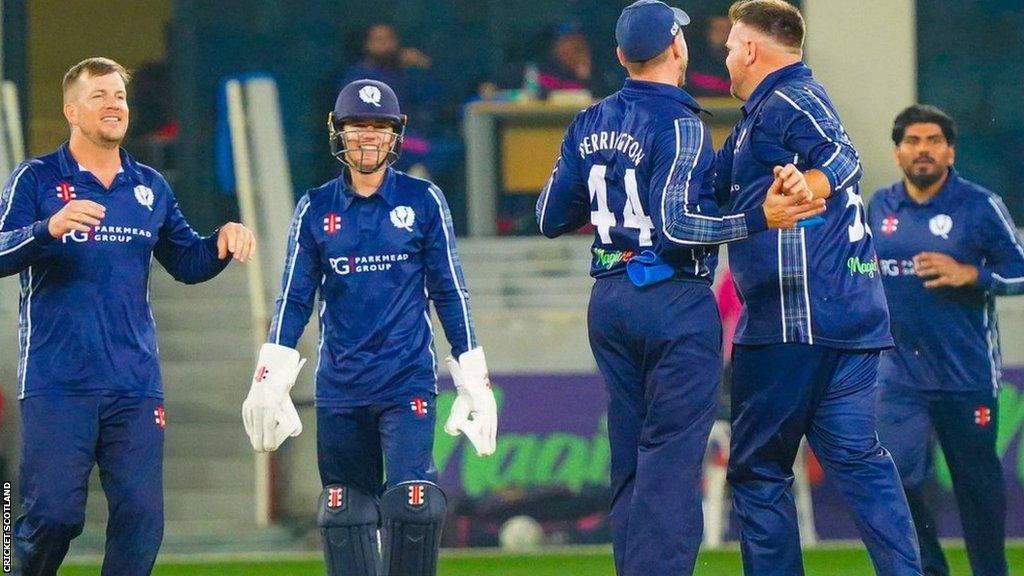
75, 236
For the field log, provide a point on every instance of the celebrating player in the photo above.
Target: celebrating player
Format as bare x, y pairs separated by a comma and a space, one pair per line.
639, 167
814, 315
81, 226
946, 247
379, 246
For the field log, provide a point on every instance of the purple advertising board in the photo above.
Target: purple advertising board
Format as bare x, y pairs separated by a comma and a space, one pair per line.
553, 436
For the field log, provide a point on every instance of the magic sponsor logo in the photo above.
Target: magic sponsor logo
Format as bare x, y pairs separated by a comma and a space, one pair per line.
607, 259
895, 267
855, 266
101, 233
346, 265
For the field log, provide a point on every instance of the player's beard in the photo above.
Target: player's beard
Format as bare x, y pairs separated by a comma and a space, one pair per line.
926, 178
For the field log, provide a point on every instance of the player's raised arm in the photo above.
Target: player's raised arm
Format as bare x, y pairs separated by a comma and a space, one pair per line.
22, 236
189, 257
564, 203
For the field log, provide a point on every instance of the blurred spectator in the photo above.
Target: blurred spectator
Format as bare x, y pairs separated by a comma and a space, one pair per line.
707, 74
403, 68
426, 151
568, 64
152, 102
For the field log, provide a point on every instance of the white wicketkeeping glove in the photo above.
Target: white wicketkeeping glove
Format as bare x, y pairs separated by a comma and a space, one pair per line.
474, 412
268, 412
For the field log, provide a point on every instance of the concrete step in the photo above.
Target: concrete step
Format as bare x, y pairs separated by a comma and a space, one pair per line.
190, 471
215, 345
199, 537
235, 505
233, 281
201, 314
225, 439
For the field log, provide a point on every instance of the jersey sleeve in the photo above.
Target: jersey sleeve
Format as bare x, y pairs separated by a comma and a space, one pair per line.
1003, 270
682, 195
302, 275
187, 256
564, 203
723, 171
812, 130
23, 235
446, 285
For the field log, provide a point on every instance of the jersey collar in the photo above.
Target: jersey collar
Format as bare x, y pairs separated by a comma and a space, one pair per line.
386, 191
767, 86
69, 167
643, 87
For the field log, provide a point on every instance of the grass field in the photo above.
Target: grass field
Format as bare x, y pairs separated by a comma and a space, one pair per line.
582, 562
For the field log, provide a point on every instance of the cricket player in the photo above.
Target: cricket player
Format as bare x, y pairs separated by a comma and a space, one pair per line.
814, 316
946, 247
81, 226
638, 166
379, 246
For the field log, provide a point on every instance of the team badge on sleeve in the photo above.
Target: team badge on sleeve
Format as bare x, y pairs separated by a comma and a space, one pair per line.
144, 194
332, 223
403, 217
66, 192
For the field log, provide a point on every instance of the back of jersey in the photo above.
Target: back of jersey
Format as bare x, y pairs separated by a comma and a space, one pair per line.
616, 164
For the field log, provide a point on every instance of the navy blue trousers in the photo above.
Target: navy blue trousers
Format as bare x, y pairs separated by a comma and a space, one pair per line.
781, 393
965, 424
62, 438
659, 351
356, 446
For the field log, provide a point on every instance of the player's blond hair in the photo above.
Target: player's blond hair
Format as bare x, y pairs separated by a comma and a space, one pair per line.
96, 66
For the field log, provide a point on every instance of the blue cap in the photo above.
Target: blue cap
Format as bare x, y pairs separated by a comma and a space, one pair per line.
646, 27
367, 99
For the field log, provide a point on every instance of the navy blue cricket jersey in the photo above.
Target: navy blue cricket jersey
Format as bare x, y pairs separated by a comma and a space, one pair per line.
377, 262
815, 285
85, 322
639, 167
946, 338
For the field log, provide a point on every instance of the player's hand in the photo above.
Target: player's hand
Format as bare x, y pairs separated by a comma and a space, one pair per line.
475, 412
76, 215
944, 271
794, 182
782, 211
268, 413
236, 240
413, 58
